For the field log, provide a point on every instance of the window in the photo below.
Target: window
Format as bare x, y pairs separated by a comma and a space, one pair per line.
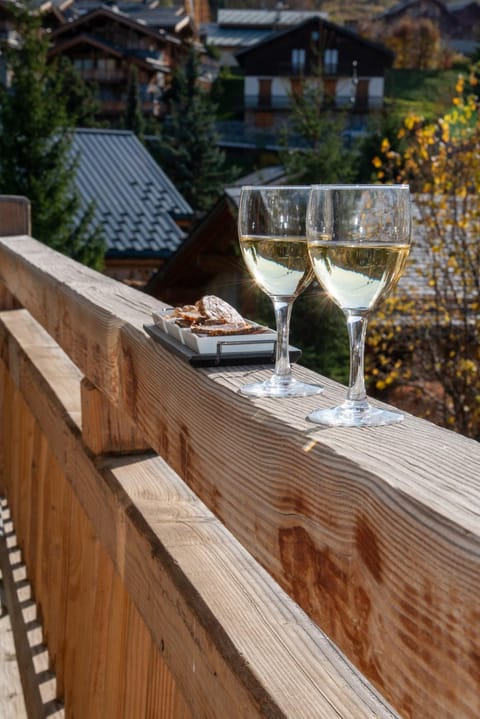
330, 61
298, 60
83, 64
106, 65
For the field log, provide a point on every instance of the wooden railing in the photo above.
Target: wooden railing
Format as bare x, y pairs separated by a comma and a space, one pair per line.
194, 553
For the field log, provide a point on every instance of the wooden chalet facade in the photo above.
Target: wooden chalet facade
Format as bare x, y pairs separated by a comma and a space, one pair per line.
207, 262
352, 71
104, 45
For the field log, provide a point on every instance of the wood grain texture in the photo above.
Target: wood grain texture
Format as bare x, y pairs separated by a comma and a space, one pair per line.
14, 215
235, 644
374, 532
14, 220
106, 429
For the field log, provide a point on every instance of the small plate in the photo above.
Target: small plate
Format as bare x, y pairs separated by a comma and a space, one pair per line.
166, 322
245, 343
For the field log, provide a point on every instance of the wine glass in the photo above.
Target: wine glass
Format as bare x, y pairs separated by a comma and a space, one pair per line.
271, 229
358, 242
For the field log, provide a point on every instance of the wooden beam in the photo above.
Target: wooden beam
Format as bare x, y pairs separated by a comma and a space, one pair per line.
376, 540
230, 636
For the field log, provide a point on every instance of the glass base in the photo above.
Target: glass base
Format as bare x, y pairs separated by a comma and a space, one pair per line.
276, 387
349, 414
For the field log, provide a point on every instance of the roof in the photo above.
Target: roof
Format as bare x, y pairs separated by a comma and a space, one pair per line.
233, 37
328, 26
243, 28
265, 18
115, 16
406, 4
172, 19
135, 203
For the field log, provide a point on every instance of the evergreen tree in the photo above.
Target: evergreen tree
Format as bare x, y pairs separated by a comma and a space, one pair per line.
314, 149
36, 158
81, 101
187, 150
134, 119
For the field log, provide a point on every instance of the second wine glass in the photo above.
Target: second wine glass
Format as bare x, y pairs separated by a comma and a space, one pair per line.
358, 240
272, 233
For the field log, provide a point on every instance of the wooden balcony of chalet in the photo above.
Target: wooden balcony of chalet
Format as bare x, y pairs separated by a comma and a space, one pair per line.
194, 553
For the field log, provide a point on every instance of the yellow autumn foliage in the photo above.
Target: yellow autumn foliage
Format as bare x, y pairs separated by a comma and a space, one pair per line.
428, 332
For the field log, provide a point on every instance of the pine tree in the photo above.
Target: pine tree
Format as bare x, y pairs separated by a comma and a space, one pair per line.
314, 149
81, 101
134, 119
36, 158
187, 150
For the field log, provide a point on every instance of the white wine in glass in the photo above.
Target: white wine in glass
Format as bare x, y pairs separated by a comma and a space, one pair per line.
272, 233
358, 247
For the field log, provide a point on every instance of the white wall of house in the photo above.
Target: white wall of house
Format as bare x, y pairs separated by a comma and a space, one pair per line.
281, 90
375, 91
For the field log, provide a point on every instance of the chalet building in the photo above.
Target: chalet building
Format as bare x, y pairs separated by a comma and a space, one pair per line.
434, 10
104, 44
279, 67
458, 23
143, 216
172, 19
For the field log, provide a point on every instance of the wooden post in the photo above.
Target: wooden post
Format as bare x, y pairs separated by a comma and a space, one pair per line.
14, 220
106, 429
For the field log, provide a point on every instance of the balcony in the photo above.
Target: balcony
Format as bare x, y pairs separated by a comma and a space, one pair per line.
341, 102
194, 553
106, 77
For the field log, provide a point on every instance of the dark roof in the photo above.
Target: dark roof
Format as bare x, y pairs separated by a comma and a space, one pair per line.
172, 19
135, 202
399, 7
461, 5
327, 25
115, 16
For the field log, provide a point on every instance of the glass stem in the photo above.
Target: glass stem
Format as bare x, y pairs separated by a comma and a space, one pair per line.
357, 328
283, 370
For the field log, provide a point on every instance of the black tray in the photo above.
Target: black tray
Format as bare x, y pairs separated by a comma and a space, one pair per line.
197, 359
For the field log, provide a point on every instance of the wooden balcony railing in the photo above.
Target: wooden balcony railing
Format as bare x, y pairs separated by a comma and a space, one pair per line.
194, 553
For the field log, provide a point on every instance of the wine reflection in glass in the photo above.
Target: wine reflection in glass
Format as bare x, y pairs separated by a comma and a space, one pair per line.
358, 258
272, 233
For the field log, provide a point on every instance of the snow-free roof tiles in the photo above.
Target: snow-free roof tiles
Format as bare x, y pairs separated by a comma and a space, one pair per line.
135, 203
